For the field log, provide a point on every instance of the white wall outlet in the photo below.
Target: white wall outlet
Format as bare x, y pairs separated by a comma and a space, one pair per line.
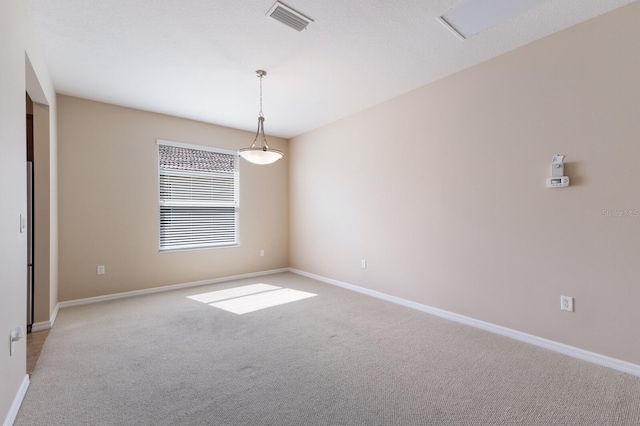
100, 269
363, 263
566, 303
261, 252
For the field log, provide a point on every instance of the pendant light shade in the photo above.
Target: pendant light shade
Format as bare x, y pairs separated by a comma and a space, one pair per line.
259, 151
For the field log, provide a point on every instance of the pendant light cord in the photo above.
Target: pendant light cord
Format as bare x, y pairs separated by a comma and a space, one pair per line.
260, 75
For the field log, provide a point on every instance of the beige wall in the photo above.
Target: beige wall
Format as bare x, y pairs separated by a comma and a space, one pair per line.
442, 190
109, 202
17, 40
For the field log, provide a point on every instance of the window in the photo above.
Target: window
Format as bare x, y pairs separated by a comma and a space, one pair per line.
198, 196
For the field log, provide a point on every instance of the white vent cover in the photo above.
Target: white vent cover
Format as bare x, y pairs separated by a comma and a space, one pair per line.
291, 18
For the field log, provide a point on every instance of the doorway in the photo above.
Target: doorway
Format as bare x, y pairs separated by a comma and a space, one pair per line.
30, 210
44, 220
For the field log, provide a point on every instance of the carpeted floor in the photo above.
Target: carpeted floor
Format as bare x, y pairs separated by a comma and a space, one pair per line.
339, 358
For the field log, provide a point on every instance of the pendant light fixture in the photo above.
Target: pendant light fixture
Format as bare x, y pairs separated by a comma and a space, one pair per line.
259, 151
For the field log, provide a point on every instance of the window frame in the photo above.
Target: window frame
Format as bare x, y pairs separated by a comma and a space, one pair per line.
198, 205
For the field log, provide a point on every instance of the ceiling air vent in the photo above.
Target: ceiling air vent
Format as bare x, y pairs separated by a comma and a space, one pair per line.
289, 17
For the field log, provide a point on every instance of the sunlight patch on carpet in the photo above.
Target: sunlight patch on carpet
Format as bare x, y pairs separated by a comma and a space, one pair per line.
250, 298
230, 293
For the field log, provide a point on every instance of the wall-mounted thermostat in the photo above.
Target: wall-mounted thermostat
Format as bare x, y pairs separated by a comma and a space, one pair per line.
557, 179
558, 182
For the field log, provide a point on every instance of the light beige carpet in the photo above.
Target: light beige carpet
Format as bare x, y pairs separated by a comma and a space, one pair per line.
338, 358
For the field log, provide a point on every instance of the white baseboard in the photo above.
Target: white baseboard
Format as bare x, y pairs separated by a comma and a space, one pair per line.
46, 325
54, 314
614, 363
17, 402
115, 296
39, 326
571, 351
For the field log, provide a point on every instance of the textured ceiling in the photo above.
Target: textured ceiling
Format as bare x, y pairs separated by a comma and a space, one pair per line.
196, 58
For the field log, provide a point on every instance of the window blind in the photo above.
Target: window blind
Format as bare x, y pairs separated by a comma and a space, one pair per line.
198, 195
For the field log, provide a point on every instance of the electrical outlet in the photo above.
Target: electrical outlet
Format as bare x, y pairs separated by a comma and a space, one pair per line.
566, 303
101, 270
363, 263
261, 252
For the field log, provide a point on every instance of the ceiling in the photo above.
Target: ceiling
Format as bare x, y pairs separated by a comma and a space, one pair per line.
197, 58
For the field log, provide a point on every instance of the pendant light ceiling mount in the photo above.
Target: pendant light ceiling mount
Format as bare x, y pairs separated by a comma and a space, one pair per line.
259, 151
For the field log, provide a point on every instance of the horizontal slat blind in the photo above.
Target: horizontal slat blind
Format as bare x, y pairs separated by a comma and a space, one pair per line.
198, 198
203, 190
